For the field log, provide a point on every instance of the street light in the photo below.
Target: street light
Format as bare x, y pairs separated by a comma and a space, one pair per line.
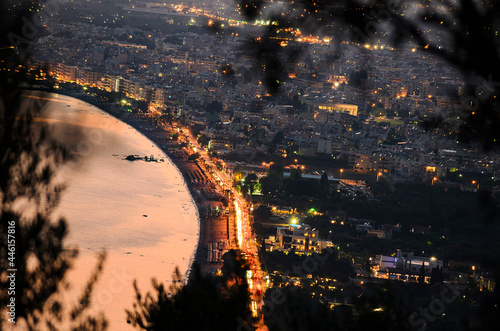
378, 175
341, 171
434, 179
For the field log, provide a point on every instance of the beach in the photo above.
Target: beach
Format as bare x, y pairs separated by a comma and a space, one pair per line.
141, 213
216, 214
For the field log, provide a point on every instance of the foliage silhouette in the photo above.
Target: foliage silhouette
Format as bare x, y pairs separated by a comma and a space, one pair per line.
460, 32
29, 158
205, 302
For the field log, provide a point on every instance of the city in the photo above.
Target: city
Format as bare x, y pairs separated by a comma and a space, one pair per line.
337, 168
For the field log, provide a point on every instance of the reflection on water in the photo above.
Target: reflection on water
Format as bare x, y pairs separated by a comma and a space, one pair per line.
140, 212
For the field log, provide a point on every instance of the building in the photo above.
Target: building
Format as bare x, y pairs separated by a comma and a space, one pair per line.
87, 76
300, 238
132, 89
66, 73
282, 210
336, 79
324, 146
405, 266
337, 107
383, 162
346, 109
361, 160
381, 234
111, 83
123, 56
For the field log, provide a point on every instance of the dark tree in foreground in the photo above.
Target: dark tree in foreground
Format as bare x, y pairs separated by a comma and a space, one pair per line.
33, 257
293, 309
379, 307
205, 303
464, 33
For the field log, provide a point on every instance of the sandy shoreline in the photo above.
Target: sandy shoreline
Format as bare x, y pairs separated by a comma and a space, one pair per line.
142, 132
141, 213
143, 235
216, 228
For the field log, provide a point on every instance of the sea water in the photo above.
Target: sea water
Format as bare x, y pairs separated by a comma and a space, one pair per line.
140, 213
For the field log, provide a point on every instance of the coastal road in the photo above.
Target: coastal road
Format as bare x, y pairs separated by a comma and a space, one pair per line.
244, 234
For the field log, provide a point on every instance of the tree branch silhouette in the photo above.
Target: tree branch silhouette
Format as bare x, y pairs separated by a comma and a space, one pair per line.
29, 158
205, 303
463, 33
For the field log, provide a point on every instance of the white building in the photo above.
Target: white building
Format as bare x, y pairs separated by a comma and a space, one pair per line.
301, 238
405, 266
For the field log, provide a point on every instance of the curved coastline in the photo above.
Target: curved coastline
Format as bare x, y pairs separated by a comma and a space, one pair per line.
196, 254
145, 222
192, 259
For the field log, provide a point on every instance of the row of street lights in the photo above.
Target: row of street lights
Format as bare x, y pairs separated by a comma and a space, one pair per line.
243, 233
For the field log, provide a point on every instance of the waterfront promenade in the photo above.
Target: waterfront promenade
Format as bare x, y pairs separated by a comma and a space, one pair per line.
224, 214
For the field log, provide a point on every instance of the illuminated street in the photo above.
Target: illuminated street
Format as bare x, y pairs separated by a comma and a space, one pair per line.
244, 235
